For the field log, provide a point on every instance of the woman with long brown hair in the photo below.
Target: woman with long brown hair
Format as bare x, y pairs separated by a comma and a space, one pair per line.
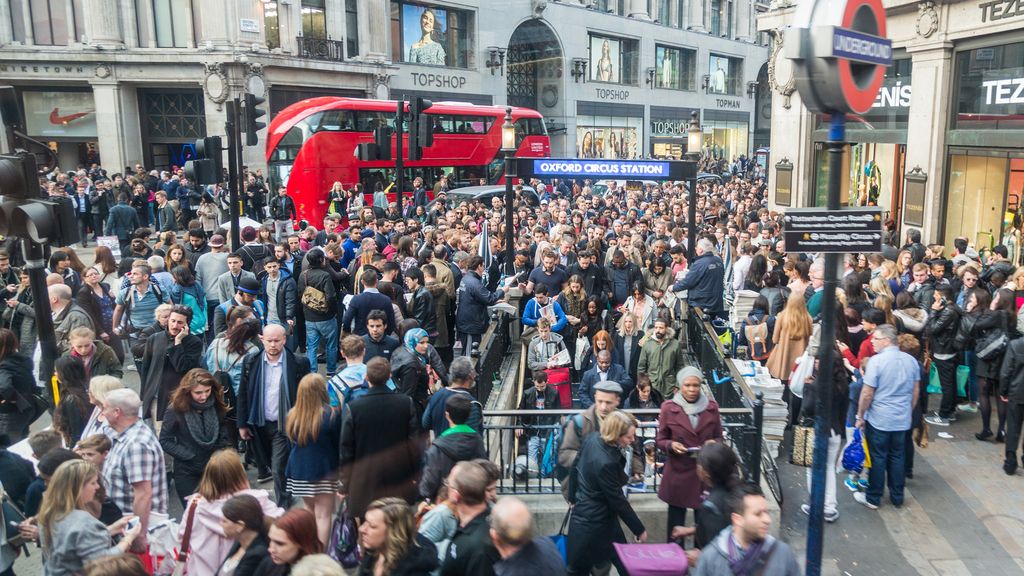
194, 428
314, 430
104, 261
176, 256
73, 409
792, 331
223, 480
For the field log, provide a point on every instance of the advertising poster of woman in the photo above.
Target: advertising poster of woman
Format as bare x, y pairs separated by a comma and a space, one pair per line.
604, 59
423, 31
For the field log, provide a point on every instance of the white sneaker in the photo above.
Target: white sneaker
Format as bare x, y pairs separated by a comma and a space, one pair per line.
830, 517
863, 499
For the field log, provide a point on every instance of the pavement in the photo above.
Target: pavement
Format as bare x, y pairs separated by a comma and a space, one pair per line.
962, 515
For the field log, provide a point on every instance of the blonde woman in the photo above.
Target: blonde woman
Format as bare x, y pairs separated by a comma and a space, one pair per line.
880, 287
223, 479
792, 330
904, 264
390, 543
314, 430
70, 535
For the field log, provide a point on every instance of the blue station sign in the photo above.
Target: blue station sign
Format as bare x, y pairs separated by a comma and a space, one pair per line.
605, 169
860, 47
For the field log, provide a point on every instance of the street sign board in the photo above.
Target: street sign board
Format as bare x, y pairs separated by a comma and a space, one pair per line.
605, 169
840, 231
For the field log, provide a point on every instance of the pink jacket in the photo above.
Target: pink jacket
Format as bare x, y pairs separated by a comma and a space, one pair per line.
209, 547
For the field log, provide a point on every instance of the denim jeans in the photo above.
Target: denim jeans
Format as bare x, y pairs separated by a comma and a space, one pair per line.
535, 451
947, 379
328, 331
888, 460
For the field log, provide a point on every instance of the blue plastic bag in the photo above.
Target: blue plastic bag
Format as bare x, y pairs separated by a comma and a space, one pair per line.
853, 455
560, 538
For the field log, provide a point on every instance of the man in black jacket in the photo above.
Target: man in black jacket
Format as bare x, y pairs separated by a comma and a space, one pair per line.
940, 329
320, 315
421, 305
282, 210
591, 274
369, 299
471, 552
168, 355
471, 317
121, 222
456, 444
196, 247
267, 390
378, 343
539, 397
1011, 391
379, 453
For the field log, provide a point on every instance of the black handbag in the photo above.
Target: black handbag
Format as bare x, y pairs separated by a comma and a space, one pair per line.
992, 344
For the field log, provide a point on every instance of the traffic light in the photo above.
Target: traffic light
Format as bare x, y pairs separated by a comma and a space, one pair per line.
379, 149
25, 213
421, 129
208, 166
252, 125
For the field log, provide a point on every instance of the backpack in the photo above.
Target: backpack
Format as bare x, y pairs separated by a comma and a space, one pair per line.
223, 377
129, 303
198, 324
313, 297
561, 472
757, 339
252, 257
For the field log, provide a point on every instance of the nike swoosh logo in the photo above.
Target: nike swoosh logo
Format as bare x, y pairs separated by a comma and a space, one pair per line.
56, 118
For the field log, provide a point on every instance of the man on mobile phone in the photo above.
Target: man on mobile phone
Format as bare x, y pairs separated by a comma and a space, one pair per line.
168, 356
940, 329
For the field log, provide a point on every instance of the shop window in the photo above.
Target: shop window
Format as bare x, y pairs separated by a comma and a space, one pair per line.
607, 137
314, 19
674, 68
990, 88
721, 18
351, 28
725, 75
975, 198
169, 114
613, 60
432, 35
173, 24
49, 18
271, 24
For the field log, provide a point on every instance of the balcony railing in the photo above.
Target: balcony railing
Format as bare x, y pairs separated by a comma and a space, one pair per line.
321, 49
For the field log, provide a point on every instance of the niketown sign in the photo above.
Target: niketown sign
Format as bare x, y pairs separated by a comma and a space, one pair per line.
54, 70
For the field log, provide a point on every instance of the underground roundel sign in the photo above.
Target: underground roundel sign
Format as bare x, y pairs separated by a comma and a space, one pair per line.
840, 54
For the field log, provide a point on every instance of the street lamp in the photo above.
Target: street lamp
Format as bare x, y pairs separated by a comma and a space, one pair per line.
694, 138
508, 147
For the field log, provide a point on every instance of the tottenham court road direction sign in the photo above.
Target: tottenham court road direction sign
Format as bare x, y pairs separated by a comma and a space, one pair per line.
847, 230
839, 54
605, 169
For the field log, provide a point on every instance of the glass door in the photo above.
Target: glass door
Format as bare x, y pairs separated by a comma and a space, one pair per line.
976, 198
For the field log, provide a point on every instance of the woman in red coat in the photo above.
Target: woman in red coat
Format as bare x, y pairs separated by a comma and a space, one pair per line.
688, 421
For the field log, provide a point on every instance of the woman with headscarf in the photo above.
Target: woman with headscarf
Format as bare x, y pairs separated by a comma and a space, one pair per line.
409, 367
687, 422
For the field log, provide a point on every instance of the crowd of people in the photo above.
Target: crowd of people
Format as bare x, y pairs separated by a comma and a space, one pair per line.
338, 361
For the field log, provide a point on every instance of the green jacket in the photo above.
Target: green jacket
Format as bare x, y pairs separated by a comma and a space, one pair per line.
660, 361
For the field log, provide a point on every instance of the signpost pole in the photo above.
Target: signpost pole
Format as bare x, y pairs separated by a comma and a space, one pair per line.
399, 160
825, 387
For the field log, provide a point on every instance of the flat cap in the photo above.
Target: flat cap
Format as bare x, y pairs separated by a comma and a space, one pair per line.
608, 386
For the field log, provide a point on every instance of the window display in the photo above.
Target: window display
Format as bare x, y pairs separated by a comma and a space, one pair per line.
613, 60
725, 75
990, 84
674, 68
608, 137
431, 35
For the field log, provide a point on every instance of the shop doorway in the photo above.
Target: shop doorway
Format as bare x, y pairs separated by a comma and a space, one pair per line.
873, 176
983, 201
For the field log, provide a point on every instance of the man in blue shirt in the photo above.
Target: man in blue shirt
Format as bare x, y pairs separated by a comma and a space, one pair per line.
884, 414
532, 311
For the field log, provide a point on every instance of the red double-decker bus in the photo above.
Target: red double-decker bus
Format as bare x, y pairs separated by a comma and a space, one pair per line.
311, 145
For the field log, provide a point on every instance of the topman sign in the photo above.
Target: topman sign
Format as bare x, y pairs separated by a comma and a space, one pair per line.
840, 54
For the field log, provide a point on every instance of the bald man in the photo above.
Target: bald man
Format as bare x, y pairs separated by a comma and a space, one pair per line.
67, 315
269, 383
521, 553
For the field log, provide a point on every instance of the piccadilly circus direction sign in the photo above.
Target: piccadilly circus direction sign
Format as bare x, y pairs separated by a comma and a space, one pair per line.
840, 54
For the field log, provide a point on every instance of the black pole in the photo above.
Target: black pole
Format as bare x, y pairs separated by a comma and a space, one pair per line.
826, 357
35, 263
509, 200
691, 223
234, 153
399, 157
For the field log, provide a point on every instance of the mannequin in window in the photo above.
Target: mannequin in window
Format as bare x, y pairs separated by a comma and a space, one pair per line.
666, 71
604, 65
718, 79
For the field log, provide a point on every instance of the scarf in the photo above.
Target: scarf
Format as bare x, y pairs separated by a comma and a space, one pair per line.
693, 409
745, 562
203, 422
412, 338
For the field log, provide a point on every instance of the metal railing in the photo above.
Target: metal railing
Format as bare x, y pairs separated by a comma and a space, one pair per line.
494, 348
524, 444
321, 49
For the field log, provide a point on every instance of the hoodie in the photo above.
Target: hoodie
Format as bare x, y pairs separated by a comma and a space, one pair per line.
456, 444
208, 543
913, 320
778, 558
